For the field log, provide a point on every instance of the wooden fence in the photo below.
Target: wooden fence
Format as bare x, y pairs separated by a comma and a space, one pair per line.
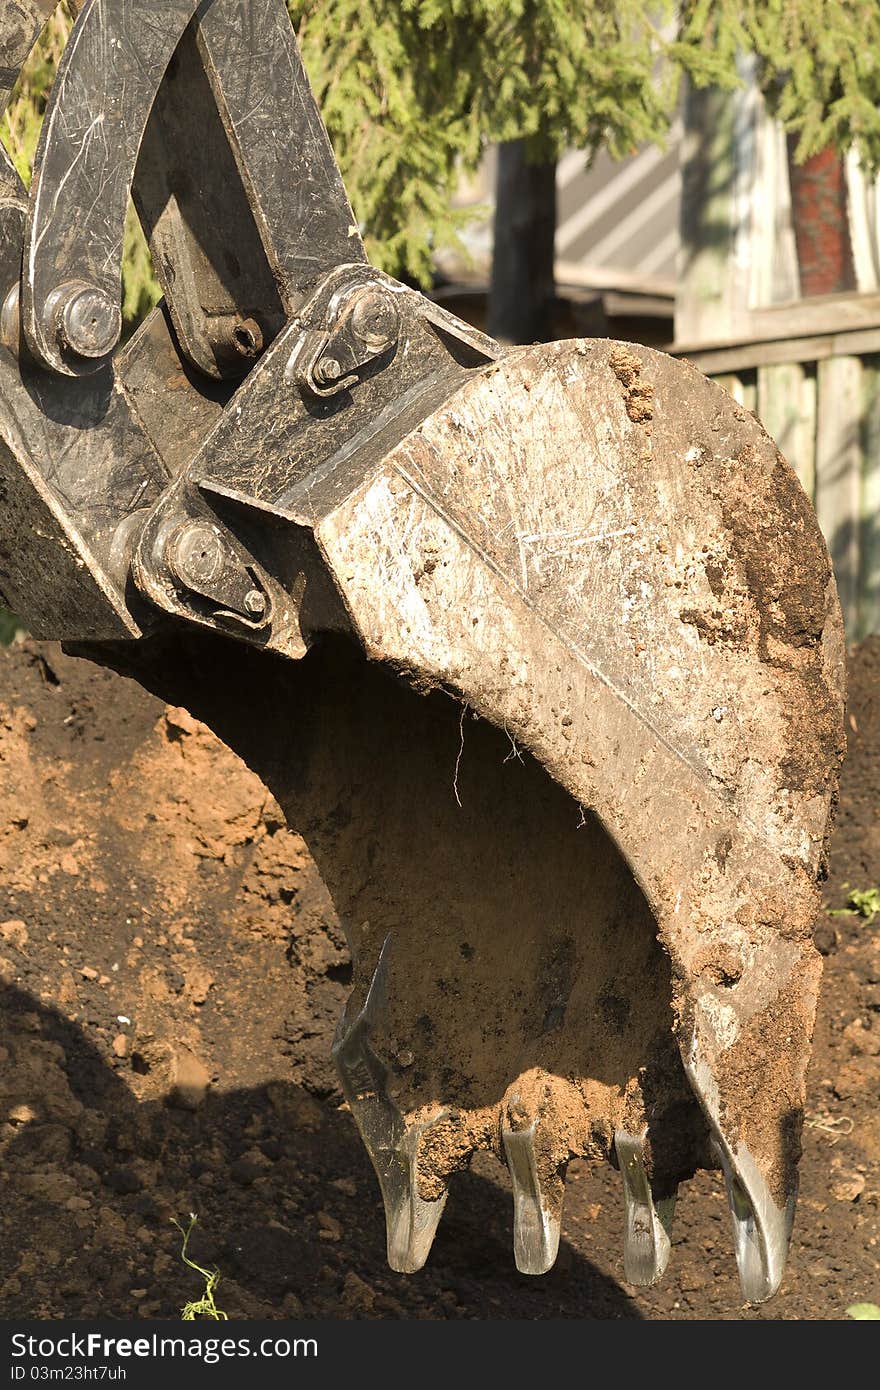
818, 396
810, 368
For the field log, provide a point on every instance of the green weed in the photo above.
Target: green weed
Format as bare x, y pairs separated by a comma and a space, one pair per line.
864, 1312
203, 1307
865, 902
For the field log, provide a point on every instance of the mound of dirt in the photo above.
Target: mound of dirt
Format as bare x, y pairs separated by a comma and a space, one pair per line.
171, 975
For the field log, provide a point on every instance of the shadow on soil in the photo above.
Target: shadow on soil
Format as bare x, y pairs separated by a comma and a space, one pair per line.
287, 1203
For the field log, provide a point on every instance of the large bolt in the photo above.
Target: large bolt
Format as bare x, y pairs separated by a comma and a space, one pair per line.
375, 320
327, 370
195, 554
234, 341
255, 603
88, 321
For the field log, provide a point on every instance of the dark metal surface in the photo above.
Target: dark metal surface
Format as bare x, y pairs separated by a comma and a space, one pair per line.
284, 452
205, 111
288, 451
237, 185
282, 150
107, 80
20, 25
89, 464
207, 251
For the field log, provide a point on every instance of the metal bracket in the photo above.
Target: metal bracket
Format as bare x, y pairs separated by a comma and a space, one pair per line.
83, 174
363, 324
206, 564
163, 489
206, 115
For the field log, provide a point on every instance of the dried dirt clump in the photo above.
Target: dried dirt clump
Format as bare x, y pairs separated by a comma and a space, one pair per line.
639, 394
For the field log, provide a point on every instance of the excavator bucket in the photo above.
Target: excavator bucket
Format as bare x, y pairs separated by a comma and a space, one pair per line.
539, 649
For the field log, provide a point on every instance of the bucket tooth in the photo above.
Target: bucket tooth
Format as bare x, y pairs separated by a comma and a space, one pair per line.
391, 1142
536, 1216
646, 1235
411, 1221
762, 1221
761, 1229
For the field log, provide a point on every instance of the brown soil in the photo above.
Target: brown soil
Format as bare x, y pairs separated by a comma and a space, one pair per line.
145, 875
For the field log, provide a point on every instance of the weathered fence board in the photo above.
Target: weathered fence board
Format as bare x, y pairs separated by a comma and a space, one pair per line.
809, 367
787, 407
741, 386
869, 530
839, 473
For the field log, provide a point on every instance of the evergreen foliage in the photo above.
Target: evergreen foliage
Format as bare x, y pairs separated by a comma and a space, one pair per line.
819, 64
411, 90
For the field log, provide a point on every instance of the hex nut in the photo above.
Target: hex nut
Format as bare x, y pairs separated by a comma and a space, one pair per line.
327, 370
255, 603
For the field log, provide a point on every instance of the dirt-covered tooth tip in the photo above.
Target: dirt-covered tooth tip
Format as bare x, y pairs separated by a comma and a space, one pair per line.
536, 1212
761, 1229
411, 1220
647, 1224
392, 1143
760, 1176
